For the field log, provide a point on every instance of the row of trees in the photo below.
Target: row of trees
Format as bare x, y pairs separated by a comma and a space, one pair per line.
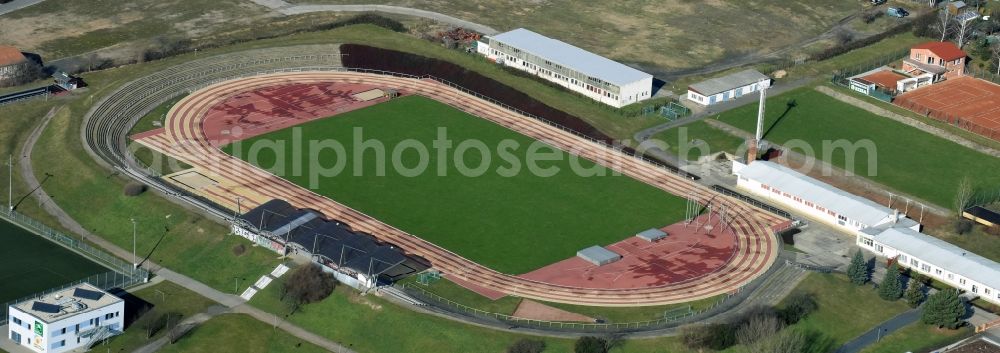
942, 309
760, 330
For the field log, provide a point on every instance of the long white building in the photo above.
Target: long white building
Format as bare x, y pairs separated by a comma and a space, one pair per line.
813, 198
877, 228
592, 75
74, 317
729, 87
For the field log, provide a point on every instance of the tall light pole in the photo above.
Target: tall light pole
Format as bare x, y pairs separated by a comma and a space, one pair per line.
239, 211
135, 263
10, 183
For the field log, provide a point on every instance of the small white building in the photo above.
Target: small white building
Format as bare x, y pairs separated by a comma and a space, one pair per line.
729, 87
592, 75
813, 198
936, 258
74, 317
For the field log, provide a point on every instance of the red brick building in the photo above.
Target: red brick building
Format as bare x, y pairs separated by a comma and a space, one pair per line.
943, 59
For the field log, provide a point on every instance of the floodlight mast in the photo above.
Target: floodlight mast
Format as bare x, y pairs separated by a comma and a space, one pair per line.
755, 145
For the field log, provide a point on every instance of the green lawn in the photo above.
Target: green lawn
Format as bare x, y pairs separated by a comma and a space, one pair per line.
905, 158
844, 311
363, 323
513, 223
154, 119
456, 293
34, 264
239, 333
697, 139
164, 297
918, 337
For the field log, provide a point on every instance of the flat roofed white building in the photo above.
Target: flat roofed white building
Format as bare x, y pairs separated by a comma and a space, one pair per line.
592, 75
813, 198
935, 258
65, 320
729, 87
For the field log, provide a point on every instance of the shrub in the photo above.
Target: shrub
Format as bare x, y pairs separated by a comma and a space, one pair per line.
239, 249
590, 344
134, 189
797, 307
713, 336
871, 16
307, 284
525, 345
963, 226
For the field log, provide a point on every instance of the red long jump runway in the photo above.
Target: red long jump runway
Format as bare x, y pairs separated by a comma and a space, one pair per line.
251, 113
688, 252
756, 249
968, 102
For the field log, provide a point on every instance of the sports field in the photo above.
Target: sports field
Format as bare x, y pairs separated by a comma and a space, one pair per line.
32, 264
513, 224
909, 160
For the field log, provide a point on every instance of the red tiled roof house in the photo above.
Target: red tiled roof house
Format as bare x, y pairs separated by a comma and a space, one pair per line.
943, 59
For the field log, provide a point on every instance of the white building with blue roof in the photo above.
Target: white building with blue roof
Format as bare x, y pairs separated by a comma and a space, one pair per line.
592, 75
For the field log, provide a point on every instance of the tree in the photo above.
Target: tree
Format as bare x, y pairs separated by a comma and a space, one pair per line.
963, 196
590, 344
914, 293
892, 287
307, 284
944, 24
713, 336
944, 309
786, 341
760, 334
963, 30
526, 345
995, 48
858, 270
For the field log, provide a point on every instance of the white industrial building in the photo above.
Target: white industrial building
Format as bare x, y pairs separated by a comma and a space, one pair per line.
592, 75
936, 258
75, 317
729, 87
813, 198
879, 229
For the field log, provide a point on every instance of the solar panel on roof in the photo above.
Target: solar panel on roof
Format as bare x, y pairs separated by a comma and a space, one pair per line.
87, 294
45, 308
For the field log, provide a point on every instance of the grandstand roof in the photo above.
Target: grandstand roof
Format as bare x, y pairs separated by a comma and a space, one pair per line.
942, 254
944, 50
10, 55
787, 180
572, 57
718, 85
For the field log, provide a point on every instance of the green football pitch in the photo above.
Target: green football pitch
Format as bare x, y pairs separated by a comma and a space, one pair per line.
32, 264
513, 222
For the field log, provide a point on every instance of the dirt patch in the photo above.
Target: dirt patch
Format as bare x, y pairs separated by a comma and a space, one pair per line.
530, 309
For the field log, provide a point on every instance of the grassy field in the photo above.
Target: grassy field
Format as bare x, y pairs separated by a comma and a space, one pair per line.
363, 323
158, 162
34, 264
456, 293
905, 158
917, 337
512, 223
168, 234
163, 297
239, 333
697, 139
844, 311
657, 35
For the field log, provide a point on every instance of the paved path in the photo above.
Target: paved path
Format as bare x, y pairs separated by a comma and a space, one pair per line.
289, 9
875, 334
230, 301
877, 110
17, 5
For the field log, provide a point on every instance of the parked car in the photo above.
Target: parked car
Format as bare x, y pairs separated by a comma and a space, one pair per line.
877, 2
897, 12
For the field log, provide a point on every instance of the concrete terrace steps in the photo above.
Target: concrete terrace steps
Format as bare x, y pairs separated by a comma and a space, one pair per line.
750, 222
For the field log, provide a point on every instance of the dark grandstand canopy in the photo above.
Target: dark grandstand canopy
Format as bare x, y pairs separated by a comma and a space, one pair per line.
333, 241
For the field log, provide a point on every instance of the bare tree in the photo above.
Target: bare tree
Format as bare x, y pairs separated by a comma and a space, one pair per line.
995, 48
944, 23
756, 333
963, 30
786, 341
963, 196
